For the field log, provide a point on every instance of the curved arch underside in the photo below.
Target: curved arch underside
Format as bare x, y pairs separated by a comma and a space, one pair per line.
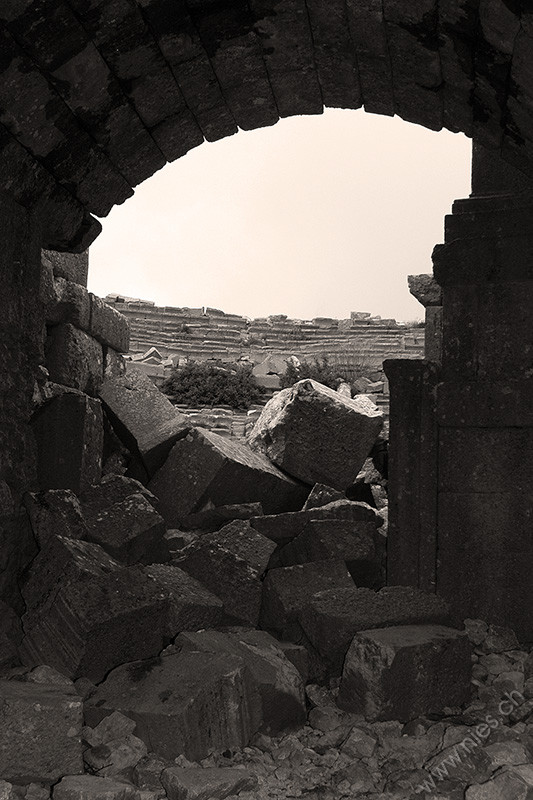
97, 95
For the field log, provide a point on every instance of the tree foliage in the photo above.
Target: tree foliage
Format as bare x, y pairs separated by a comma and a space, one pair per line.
318, 370
197, 384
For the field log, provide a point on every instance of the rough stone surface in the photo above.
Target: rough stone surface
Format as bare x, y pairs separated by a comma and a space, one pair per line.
70, 266
276, 680
331, 539
93, 787
213, 519
204, 469
299, 430
86, 613
65, 301
55, 512
191, 605
108, 326
426, 289
320, 495
69, 434
75, 359
286, 590
212, 783
143, 417
182, 703
230, 563
401, 673
40, 730
131, 531
332, 617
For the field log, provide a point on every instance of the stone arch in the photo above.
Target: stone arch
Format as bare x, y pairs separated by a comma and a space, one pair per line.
97, 95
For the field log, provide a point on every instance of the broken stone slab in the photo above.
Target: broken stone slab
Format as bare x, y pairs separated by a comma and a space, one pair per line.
317, 435
92, 787
405, 672
183, 703
321, 495
115, 726
286, 591
205, 470
191, 605
275, 679
331, 539
69, 433
108, 326
332, 617
40, 732
143, 418
131, 531
212, 519
283, 528
426, 289
197, 783
231, 562
75, 359
511, 782
86, 613
55, 512
147, 774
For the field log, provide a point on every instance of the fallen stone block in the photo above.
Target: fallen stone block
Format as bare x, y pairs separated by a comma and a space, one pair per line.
283, 528
275, 679
143, 417
69, 434
317, 435
230, 563
115, 726
92, 787
297, 655
182, 703
331, 539
426, 289
55, 512
332, 617
321, 495
131, 531
212, 519
211, 782
406, 672
75, 359
86, 613
204, 469
190, 605
108, 325
147, 774
286, 591
110, 490
40, 732
511, 782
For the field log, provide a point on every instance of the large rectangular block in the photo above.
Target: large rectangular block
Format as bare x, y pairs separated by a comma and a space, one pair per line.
69, 433
143, 417
71, 266
40, 732
205, 469
108, 326
75, 359
406, 672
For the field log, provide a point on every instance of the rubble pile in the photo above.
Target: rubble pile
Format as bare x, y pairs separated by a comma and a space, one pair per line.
211, 620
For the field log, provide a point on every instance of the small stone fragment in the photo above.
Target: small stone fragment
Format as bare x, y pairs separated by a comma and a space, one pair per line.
321, 495
115, 757
92, 787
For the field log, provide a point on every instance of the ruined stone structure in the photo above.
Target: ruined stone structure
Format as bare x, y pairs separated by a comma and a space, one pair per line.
96, 95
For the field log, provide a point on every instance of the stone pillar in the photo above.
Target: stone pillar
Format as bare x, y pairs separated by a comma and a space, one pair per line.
482, 429
21, 351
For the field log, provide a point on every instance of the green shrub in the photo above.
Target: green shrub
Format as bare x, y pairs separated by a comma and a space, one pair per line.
318, 370
198, 384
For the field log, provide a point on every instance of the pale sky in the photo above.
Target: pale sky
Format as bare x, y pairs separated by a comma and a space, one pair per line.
316, 216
